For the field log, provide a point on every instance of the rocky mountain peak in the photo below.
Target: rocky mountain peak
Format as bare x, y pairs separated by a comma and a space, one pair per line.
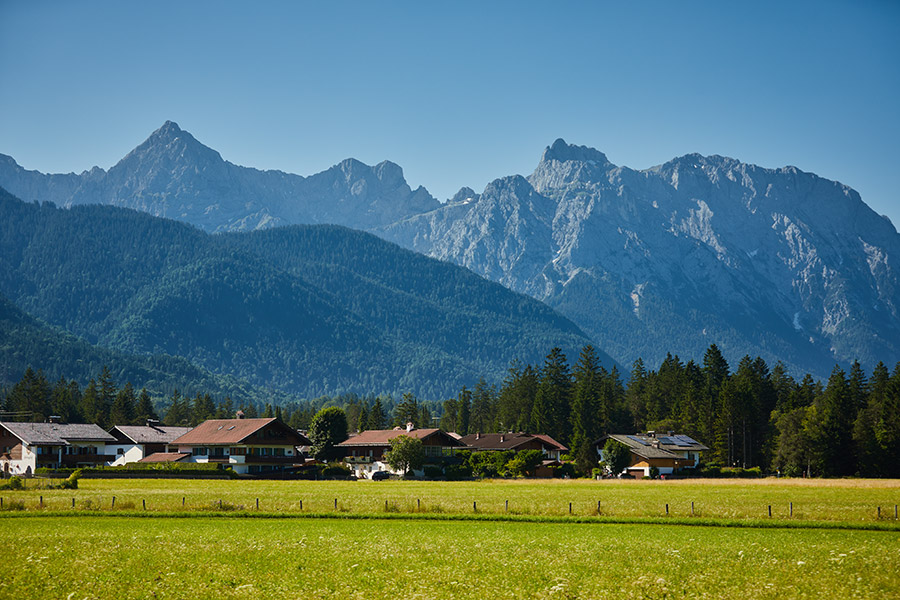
562, 152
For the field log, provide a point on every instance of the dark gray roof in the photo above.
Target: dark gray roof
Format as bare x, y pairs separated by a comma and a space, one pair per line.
645, 451
57, 434
147, 434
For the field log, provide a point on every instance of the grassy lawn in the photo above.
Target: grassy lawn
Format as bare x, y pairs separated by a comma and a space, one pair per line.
813, 500
128, 557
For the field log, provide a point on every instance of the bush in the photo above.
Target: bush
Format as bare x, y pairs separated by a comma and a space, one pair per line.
70, 483
336, 471
15, 483
564, 470
457, 472
433, 472
654, 472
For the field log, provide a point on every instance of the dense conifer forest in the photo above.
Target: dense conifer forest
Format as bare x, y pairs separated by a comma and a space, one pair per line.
750, 416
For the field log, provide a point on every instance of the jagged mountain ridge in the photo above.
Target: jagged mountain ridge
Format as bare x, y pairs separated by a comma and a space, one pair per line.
173, 175
775, 262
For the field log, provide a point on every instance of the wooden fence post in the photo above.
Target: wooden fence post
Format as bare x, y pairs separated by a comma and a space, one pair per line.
474, 507
144, 503
113, 502
598, 507
667, 510
692, 509
770, 510
570, 508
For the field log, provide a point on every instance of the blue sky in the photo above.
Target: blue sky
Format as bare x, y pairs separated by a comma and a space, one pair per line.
459, 93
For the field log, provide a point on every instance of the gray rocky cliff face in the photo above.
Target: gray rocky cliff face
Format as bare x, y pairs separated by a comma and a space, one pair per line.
700, 250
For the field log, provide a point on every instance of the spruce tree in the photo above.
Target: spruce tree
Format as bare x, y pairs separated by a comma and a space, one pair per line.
377, 418
144, 409
550, 414
464, 402
589, 413
123, 407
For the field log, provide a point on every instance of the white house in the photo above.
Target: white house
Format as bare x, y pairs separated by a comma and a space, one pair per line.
667, 453
364, 453
135, 442
25, 447
246, 445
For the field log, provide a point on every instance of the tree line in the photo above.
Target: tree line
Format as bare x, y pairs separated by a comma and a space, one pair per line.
751, 416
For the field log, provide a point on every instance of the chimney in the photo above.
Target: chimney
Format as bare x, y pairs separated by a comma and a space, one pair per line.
239, 414
655, 443
54, 419
502, 438
478, 435
409, 426
651, 434
153, 423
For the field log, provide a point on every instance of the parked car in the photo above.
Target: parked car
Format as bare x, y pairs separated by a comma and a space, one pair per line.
380, 475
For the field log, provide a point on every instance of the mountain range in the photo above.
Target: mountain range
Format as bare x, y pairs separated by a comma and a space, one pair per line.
303, 310
771, 262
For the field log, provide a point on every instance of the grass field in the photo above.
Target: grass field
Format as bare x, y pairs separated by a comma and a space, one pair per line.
129, 557
813, 500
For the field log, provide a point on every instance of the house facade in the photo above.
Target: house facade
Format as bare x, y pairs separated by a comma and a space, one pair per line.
26, 447
669, 453
248, 446
364, 452
136, 442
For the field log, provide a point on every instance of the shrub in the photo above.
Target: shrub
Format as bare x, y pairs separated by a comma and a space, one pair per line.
14, 483
70, 483
457, 472
654, 472
433, 472
335, 471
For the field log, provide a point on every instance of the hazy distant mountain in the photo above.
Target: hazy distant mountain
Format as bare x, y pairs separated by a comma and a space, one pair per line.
779, 263
173, 175
771, 262
306, 310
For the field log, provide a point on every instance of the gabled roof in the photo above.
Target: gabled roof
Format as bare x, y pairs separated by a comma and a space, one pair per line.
221, 432
57, 434
158, 457
508, 441
150, 434
383, 437
649, 446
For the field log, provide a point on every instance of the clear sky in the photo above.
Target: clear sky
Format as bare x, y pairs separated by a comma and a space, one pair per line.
459, 93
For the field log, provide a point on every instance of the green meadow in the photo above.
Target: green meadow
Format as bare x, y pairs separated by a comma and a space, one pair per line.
206, 557
840, 500
393, 539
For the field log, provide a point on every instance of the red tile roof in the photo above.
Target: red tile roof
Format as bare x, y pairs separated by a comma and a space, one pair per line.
158, 457
222, 432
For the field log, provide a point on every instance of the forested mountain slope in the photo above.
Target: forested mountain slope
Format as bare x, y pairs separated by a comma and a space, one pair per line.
27, 342
306, 310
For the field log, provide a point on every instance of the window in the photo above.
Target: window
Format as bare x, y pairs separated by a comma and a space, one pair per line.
120, 451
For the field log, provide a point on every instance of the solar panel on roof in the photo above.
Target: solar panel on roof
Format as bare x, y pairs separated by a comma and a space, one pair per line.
687, 440
667, 440
638, 440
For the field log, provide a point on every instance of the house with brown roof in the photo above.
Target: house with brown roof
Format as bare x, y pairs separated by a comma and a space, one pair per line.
668, 453
136, 442
478, 442
25, 447
248, 446
364, 452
